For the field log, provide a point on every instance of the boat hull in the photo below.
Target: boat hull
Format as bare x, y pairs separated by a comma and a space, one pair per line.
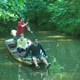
10, 44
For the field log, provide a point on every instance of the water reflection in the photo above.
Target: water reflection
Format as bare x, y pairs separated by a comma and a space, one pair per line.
31, 73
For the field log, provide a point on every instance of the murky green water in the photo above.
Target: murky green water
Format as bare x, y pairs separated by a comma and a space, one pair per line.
64, 54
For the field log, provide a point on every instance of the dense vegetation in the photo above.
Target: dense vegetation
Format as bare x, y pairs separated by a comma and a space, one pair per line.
58, 15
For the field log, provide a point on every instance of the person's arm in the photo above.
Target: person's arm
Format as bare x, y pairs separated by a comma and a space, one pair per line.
28, 28
23, 25
42, 50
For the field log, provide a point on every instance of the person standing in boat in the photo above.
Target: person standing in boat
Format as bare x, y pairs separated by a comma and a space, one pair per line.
22, 44
35, 49
20, 30
21, 27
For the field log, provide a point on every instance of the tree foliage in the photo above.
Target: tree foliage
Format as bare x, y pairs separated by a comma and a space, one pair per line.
59, 15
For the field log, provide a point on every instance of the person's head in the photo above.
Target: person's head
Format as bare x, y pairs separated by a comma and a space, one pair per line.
21, 36
35, 41
22, 19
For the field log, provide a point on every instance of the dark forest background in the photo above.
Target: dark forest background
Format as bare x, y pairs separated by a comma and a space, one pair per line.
44, 15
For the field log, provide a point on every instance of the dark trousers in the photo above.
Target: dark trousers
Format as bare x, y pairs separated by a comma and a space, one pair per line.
20, 50
16, 38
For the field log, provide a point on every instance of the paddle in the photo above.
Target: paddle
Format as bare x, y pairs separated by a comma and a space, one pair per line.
32, 34
30, 29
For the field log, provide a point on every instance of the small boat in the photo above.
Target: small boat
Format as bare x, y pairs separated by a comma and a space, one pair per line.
13, 51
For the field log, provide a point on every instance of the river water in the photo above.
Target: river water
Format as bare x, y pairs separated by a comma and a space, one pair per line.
63, 53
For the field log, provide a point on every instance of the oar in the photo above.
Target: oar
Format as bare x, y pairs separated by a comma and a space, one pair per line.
31, 30
32, 34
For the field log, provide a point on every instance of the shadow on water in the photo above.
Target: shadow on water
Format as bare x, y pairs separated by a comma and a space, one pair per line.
64, 54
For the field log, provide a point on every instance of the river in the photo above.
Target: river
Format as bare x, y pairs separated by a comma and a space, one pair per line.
63, 53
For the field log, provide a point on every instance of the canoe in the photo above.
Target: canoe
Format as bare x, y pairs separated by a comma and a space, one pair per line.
10, 44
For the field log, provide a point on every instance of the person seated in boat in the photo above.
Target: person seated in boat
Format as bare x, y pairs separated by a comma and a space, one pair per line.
35, 50
22, 44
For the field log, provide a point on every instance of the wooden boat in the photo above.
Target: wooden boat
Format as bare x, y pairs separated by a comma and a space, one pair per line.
13, 51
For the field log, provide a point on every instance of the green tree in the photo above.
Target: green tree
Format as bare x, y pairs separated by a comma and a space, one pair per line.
59, 15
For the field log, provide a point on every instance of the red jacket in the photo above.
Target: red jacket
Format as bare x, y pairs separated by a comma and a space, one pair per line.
20, 30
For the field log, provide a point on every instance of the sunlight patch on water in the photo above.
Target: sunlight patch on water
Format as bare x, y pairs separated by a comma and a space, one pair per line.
64, 39
57, 36
57, 40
